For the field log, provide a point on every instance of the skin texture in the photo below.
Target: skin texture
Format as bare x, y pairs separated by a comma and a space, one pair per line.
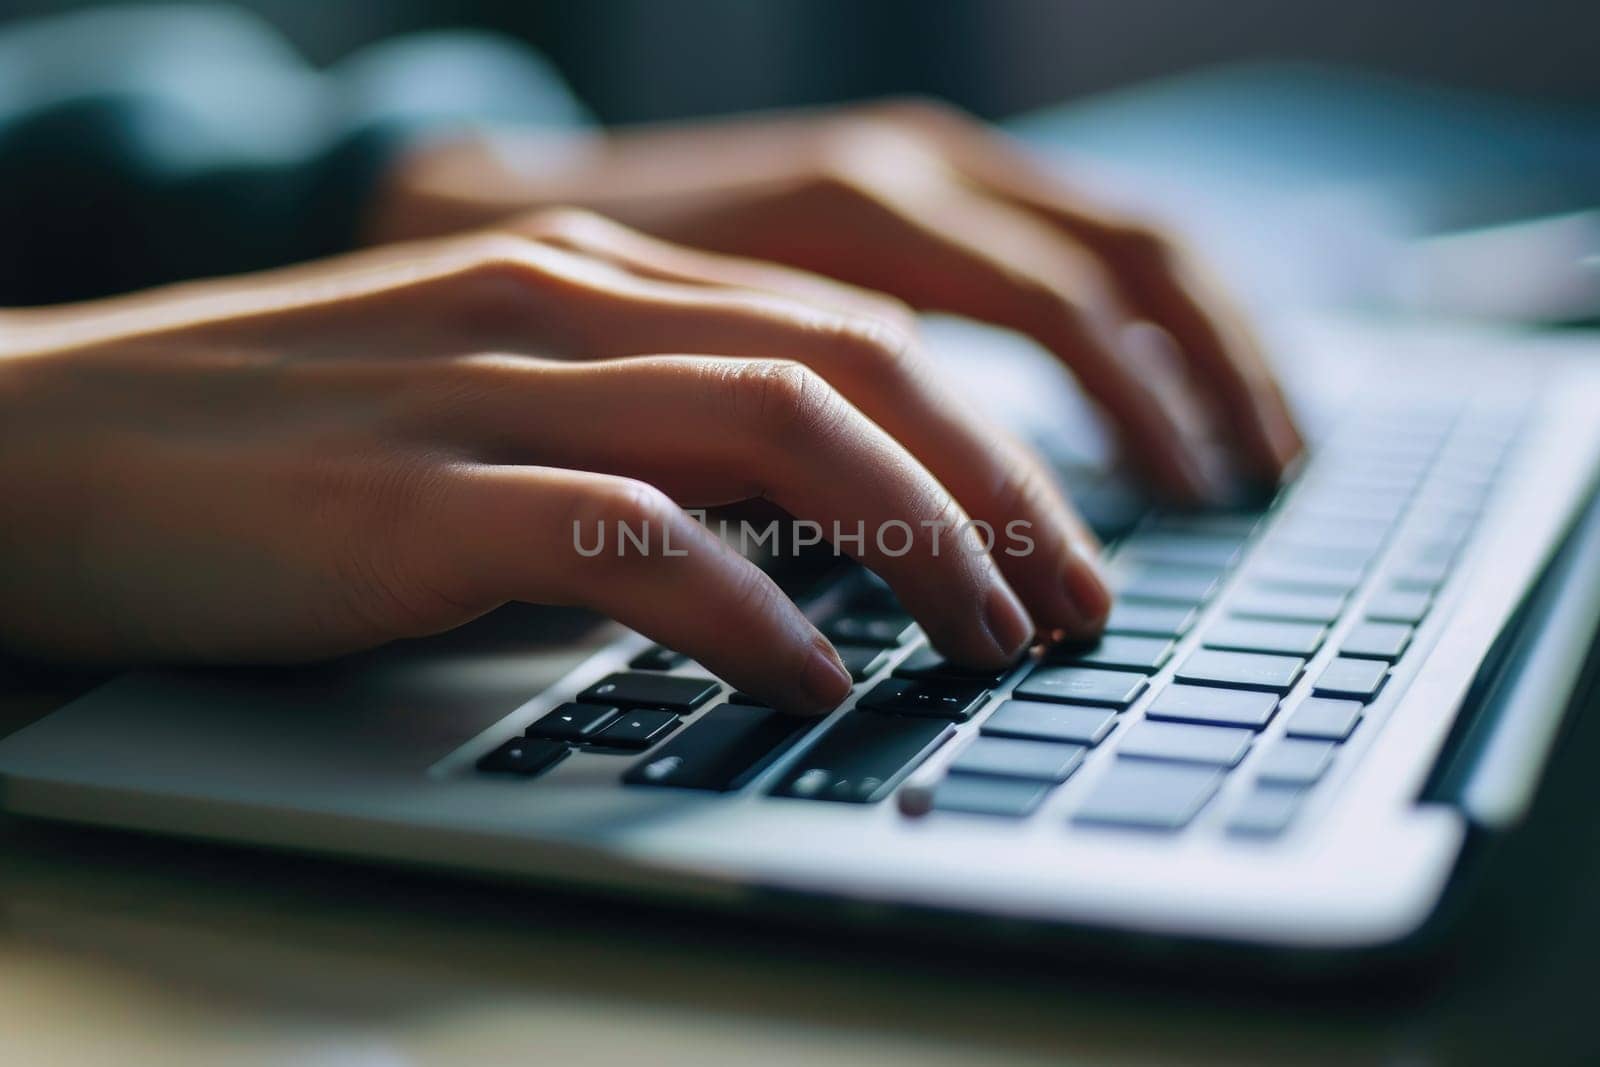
914, 200
292, 465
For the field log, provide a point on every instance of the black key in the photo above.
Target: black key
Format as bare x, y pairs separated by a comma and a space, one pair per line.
863, 757
1050, 722
523, 757
1358, 679
1082, 685
1174, 585
747, 700
574, 722
723, 750
1237, 525
1242, 670
650, 690
1295, 762
639, 728
1322, 719
1215, 707
975, 795
1377, 640
1262, 635
657, 658
1143, 654
1265, 811
1185, 743
1399, 605
1009, 757
1150, 620
1264, 602
926, 663
871, 628
862, 661
910, 696
1149, 796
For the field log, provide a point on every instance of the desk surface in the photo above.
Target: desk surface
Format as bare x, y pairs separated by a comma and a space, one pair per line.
134, 949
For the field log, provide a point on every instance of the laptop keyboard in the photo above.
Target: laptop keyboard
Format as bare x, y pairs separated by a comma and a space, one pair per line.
1241, 646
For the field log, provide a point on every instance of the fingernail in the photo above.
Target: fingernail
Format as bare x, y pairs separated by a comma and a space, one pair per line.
824, 680
1008, 624
1085, 586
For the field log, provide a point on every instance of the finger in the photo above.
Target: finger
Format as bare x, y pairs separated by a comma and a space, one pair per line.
882, 372
938, 248
1158, 281
552, 536
713, 431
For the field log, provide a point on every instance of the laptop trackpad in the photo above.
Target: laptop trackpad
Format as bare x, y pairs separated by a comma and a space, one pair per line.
400, 707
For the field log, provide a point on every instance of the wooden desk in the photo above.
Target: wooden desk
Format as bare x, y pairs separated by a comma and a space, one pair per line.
120, 948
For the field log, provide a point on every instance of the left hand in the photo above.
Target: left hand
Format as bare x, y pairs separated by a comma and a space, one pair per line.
924, 204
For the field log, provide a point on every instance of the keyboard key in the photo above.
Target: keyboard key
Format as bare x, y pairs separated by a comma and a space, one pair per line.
523, 757
1262, 602
1422, 574
1215, 707
1150, 620
1183, 550
1082, 685
862, 757
976, 795
1399, 605
723, 750
1252, 635
574, 722
650, 690
1358, 679
862, 661
1316, 578
1008, 757
1295, 762
1265, 811
1185, 743
1149, 796
1377, 640
1242, 670
1145, 654
637, 729
1322, 719
875, 628
1050, 722
926, 663
1176, 585
747, 700
657, 658
955, 701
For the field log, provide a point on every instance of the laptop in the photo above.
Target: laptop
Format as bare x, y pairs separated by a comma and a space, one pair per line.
1299, 723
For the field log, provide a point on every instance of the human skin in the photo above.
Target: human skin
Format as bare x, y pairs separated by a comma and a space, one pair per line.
292, 465
917, 201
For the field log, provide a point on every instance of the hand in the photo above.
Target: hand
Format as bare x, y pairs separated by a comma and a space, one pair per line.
301, 463
921, 203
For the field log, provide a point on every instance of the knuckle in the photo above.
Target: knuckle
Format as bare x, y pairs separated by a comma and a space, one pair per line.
886, 350
621, 502
565, 225
782, 399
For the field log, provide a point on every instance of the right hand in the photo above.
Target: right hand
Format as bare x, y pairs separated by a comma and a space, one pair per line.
302, 463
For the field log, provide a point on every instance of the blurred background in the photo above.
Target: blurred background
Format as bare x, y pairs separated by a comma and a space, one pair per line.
637, 60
